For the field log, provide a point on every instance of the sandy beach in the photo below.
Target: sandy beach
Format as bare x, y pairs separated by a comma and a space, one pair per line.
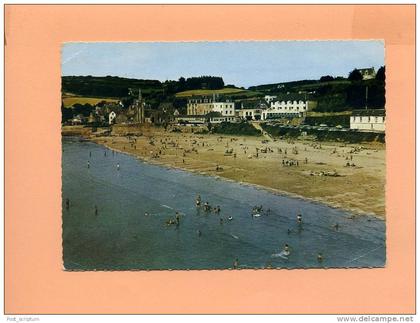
346, 176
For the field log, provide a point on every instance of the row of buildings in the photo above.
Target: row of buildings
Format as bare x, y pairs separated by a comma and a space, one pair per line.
213, 109
223, 109
202, 110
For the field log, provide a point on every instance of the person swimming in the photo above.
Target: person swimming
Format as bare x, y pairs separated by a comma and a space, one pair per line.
230, 218
320, 257
170, 222
207, 206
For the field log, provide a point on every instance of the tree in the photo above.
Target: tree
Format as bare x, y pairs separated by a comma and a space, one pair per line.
380, 74
355, 76
326, 78
66, 113
127, 101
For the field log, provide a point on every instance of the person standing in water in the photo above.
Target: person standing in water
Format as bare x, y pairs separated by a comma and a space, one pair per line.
118, 166
236, 263
67, 203
96, 210
299, 219
286, 250
177, 218
88, 164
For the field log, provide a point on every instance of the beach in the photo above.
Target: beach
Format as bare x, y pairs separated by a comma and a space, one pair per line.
345, 176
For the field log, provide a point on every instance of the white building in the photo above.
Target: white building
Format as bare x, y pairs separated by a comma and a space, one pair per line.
227, 109
368, 120
204, 105
217, 117
250, 114
367, 73
285, 108
111, 117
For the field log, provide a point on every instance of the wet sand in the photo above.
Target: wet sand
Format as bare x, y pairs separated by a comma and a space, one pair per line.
313, 170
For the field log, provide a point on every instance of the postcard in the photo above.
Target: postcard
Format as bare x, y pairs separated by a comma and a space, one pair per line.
223, 155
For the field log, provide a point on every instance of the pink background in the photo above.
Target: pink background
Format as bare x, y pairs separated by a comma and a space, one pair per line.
34, 279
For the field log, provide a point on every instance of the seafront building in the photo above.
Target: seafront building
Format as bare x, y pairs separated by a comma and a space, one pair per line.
205, 105
287, 106
368, 120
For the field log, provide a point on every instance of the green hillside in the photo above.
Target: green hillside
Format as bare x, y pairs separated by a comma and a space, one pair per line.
230, 91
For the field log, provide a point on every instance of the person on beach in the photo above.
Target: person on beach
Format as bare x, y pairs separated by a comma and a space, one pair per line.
67, 203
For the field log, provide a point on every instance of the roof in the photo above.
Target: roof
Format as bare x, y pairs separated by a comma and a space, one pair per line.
369, 112
254, 104
291, 97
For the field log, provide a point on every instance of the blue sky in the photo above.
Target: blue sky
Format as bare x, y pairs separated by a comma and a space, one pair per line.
238, 62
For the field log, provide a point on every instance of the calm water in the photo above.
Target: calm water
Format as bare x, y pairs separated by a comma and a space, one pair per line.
122, 237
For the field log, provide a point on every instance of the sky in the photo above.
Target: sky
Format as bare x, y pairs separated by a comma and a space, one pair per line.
242, 63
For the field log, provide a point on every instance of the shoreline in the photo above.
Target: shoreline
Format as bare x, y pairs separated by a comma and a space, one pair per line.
320, 175
151, 161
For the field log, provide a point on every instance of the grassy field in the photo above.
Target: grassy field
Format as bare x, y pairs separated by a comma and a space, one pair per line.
227, 91
71, 100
